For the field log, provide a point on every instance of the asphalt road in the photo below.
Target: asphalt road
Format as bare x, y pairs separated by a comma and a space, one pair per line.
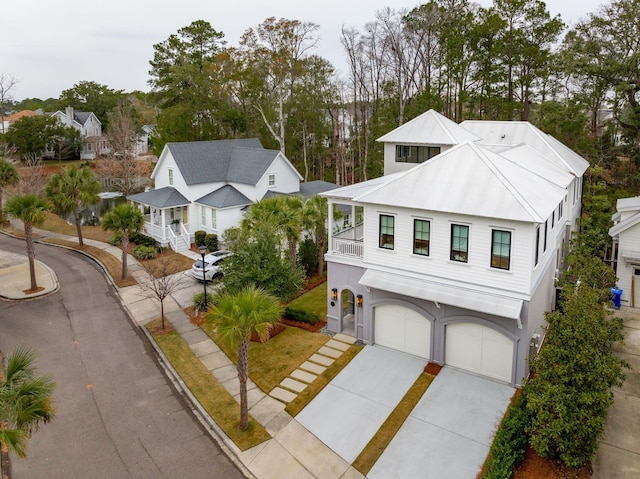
117, 414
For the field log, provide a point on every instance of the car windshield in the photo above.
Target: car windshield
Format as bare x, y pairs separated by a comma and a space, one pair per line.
199, 264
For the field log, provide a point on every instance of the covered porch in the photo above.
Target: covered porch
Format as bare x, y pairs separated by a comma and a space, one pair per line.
166, 214
347, 230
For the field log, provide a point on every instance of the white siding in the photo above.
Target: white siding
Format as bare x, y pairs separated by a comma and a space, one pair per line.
629, 240
287, 181
438, 265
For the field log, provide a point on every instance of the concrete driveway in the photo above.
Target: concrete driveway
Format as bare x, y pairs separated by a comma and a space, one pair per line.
448, 434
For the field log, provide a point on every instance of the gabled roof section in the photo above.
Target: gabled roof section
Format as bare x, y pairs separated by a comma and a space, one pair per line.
470, 180
518, 132
628, 204
430, 128
224, 197
352, 191
209, 161
166, 197
248, 165
624, 225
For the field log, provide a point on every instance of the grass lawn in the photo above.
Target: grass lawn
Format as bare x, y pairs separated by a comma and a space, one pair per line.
213, 397
314, 301
273, 361
58, 225
379, 442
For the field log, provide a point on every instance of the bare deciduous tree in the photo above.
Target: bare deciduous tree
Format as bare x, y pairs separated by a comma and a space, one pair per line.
7, 82
161, 281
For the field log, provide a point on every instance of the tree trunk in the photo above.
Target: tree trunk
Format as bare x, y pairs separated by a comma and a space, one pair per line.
31, 254
76, 218
321, 242
243, 371
124, 243
5, 465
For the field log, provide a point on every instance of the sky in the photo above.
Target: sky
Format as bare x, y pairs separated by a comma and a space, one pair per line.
51, 45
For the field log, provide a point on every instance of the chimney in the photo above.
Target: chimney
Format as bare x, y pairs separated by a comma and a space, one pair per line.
69, 112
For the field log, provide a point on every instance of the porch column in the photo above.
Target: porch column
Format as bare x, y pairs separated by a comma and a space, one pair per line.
330, 225
164, 224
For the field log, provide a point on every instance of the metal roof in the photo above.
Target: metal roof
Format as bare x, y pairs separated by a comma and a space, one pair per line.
224, 197
166, 197
443, 293
470, 180
430, 128
349, 192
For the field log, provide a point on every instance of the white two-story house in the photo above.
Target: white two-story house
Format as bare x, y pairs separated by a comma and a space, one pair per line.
207, 185
452, 255
94, 143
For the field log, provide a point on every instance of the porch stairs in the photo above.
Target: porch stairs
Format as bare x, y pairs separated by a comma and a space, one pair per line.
181, 244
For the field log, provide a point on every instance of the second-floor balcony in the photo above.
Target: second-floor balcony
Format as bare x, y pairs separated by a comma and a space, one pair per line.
348, 242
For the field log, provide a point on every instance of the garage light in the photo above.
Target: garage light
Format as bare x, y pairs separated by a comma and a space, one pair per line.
359, 301
334, 294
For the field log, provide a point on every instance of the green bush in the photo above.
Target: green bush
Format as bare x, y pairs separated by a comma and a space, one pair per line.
211, 242
301, 315
115, 239
308, 256
145, 252
199, 300
141, 239
199, 237
510, 442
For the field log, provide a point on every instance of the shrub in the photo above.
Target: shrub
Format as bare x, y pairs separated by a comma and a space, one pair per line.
211, 242
115, 239
142, 239
510, 442
199, 300
199, 237
301, 315
308, 256
145, 252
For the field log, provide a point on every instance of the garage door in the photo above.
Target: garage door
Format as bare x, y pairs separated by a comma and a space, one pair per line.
403, 329
479, 349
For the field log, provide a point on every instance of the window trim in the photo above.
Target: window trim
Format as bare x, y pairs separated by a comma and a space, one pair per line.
214, 219
537, 255
415, 154
271, 176
500, 265
464, 258
171, 176
203, 216
415, 239
385, 244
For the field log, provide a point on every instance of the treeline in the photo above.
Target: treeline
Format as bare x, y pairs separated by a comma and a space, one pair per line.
512, 61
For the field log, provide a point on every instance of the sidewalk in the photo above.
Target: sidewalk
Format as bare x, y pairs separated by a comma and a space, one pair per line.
293, 452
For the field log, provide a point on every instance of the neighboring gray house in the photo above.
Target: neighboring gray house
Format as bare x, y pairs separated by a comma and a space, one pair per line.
452, 255
207, 185
626, 249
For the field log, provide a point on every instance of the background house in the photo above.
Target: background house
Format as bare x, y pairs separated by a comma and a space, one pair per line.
453, 253
626, 249
94, 143
206, 185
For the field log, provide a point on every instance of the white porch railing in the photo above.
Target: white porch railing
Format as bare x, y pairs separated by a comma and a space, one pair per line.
178, 241
347, 247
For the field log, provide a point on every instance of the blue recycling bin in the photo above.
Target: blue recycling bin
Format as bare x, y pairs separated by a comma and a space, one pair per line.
616, 294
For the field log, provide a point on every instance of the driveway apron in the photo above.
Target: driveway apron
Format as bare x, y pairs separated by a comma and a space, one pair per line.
449, 432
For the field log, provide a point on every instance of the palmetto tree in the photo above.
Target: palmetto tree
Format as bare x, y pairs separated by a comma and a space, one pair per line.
71, 189
315, 214
31, 210
8, 177
124, 220
26, 402
236, 317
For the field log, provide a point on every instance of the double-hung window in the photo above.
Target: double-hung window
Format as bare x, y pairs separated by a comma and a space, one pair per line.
500, 249
459, 243
421, 232
171, 176
203, 215
387, 231
214, 219
272, 179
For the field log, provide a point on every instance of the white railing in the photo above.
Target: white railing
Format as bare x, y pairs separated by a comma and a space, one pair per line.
347, 247
154, 231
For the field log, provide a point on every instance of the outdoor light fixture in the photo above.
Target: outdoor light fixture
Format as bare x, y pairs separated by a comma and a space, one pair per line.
334, 294
359, 301
203, 250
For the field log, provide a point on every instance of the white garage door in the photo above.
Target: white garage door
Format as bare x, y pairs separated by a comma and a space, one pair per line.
479, 349
403, 329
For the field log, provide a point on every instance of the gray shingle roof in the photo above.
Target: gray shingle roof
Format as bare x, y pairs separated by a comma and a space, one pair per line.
166, 197
240, 161
311, 188
224, 197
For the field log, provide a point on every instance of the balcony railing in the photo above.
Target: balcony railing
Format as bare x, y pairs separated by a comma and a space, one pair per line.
348, 242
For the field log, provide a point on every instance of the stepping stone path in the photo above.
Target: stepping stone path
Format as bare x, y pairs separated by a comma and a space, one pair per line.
308, 371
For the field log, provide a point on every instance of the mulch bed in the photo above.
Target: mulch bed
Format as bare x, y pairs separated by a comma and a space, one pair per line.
314, 328
536, 467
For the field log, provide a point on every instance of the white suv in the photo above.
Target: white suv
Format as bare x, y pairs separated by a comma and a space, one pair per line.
212, 264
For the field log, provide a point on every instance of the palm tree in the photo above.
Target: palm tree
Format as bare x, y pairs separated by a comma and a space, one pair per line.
26, 402
236, 317
316, 212
71, 189
31, 210
124, 220
8, 177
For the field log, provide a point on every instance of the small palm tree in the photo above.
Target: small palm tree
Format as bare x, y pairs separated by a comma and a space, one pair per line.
31, 210
8, 177
316, 213
71, 189
26, 402
236, 317
124, 220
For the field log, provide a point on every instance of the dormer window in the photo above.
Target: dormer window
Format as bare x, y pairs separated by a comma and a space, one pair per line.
415, 154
